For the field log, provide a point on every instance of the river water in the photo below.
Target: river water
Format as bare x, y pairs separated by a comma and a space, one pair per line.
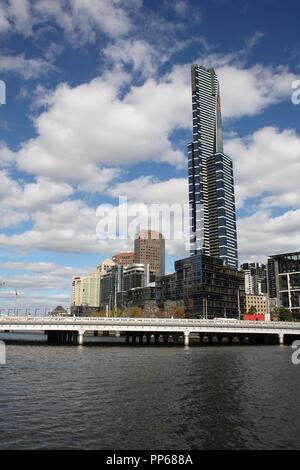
113, 396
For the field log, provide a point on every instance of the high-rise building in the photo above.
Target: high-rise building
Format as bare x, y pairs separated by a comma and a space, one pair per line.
255, 278
120, 279
149, 247
284, 281
124, 258
211, 184
86, 289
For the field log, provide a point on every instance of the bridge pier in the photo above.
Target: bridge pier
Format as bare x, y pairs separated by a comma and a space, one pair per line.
281, 338
61, 337
186, 338
80, 337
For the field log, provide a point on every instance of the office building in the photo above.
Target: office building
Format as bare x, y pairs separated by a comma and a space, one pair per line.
255, 278
124, 258
206, 287
284, 281
122, 279
149, 247
211, 184
86, 289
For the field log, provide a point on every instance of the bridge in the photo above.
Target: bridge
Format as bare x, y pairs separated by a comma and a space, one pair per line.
71, 330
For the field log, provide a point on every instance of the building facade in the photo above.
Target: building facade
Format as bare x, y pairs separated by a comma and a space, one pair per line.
124, 258
205, 286
211, 184
255, 278
86, 289
149, 247
256, 304
284, 281
121, 279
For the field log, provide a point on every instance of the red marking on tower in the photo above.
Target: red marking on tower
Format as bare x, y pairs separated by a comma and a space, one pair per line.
219, 104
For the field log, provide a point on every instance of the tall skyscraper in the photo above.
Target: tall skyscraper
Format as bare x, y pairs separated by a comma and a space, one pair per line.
211, 184
149, 247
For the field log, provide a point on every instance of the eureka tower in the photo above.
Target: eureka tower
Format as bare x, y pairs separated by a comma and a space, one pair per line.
211, 184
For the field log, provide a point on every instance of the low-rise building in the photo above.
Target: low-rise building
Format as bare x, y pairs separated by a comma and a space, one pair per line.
256, 304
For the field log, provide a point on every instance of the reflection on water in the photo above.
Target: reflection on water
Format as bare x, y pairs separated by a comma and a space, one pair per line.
116, 397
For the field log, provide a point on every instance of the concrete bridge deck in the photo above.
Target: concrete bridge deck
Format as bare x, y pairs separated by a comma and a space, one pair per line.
72, 329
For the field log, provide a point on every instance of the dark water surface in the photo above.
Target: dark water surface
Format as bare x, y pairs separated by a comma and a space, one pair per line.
118, 397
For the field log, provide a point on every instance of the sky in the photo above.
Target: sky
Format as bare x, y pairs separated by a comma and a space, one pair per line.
98, 105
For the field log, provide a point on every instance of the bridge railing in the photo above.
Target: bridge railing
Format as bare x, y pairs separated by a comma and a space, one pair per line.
123, 320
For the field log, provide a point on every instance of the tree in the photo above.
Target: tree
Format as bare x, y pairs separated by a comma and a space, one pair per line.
252, 309
178, 312
117, 313
136, 312
283, 314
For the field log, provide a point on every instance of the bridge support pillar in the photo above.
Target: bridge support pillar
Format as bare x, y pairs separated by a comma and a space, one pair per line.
281, 338
80, 337
186, 338
117, 334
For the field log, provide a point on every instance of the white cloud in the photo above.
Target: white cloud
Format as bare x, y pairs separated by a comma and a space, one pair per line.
19, 201
27, 68
262, 234
4, 23
267, 165
150, 190
247, 92
80, 20
89, 131
143, 56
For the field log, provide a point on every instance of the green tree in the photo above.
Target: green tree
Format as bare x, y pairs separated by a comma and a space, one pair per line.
252, 309
117, 313
283, 314
136, 312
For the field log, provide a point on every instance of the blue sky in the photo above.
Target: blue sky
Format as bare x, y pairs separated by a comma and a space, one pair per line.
98, 104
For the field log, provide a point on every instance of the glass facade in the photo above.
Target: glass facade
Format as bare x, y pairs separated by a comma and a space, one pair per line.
210, 172
207, 287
